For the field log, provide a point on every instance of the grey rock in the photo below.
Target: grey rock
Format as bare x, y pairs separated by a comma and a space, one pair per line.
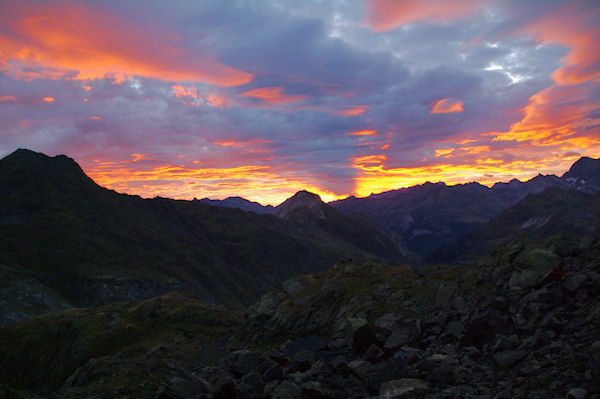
483, 328
309, 343
377, 374
577, 393
508, 358
456, 328
287, 390
531, 266
404, 334
403, 388
362, 338
388, 321
185, 385
226, 388
445, 294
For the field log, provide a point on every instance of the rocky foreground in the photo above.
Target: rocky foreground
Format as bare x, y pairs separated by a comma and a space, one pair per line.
525, 324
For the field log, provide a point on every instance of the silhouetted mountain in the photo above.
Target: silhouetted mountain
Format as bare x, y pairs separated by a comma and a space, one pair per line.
84, 245
429, 215
513, 191
240, 203
552, 212
584, 175
319, 219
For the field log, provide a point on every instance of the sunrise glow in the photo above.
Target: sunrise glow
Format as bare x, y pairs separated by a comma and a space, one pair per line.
186, 101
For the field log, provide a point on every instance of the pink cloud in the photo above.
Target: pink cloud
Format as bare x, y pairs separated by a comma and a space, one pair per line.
447, 106
190, 96
90, 42
273, 95
351, 110
575, 28
385, 15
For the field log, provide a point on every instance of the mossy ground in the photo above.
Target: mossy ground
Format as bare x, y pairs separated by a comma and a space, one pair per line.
127, 348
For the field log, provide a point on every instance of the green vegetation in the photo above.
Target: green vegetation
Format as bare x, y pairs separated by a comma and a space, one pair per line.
113, 350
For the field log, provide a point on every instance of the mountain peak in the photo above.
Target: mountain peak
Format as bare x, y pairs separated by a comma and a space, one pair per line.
303, 200
34, 169
584, 175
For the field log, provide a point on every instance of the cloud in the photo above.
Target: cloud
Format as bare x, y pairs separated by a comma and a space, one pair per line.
351, 110
86, 42
384, 15
575, 26
259, 100
447, 106
273, 95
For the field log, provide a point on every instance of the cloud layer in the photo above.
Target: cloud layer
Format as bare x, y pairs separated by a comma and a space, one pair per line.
261, 99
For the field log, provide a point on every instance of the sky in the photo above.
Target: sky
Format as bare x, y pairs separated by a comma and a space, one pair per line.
262, 98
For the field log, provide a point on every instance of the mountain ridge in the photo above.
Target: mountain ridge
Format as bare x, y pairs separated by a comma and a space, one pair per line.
93, 246
431, 214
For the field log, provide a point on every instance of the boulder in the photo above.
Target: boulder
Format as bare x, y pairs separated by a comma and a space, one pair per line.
287, 390
509, 357
404, 334
403, 388
377, 374
483, 327
532, 266
445, 294
185, 385
226, 388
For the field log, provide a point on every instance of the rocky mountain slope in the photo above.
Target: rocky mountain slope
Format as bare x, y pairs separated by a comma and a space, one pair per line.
523, 324
429, 215
240, 203
318, 219
73, 243
552, 212
584, 175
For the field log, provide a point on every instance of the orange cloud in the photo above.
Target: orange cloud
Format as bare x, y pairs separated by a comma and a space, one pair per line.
273, 95
447, 106
49, 100
184, 91
352, 110
90, 42
7, 98
191, 96
363, 133
385, 15
554, 115
577, 29
251, 145
562, 118
443, 152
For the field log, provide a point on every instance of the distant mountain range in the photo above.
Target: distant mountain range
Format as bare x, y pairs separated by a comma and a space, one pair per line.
65, 241
429, 215
240, 203
70, 242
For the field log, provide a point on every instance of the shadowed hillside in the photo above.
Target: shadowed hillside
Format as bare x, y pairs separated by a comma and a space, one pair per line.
84, 245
